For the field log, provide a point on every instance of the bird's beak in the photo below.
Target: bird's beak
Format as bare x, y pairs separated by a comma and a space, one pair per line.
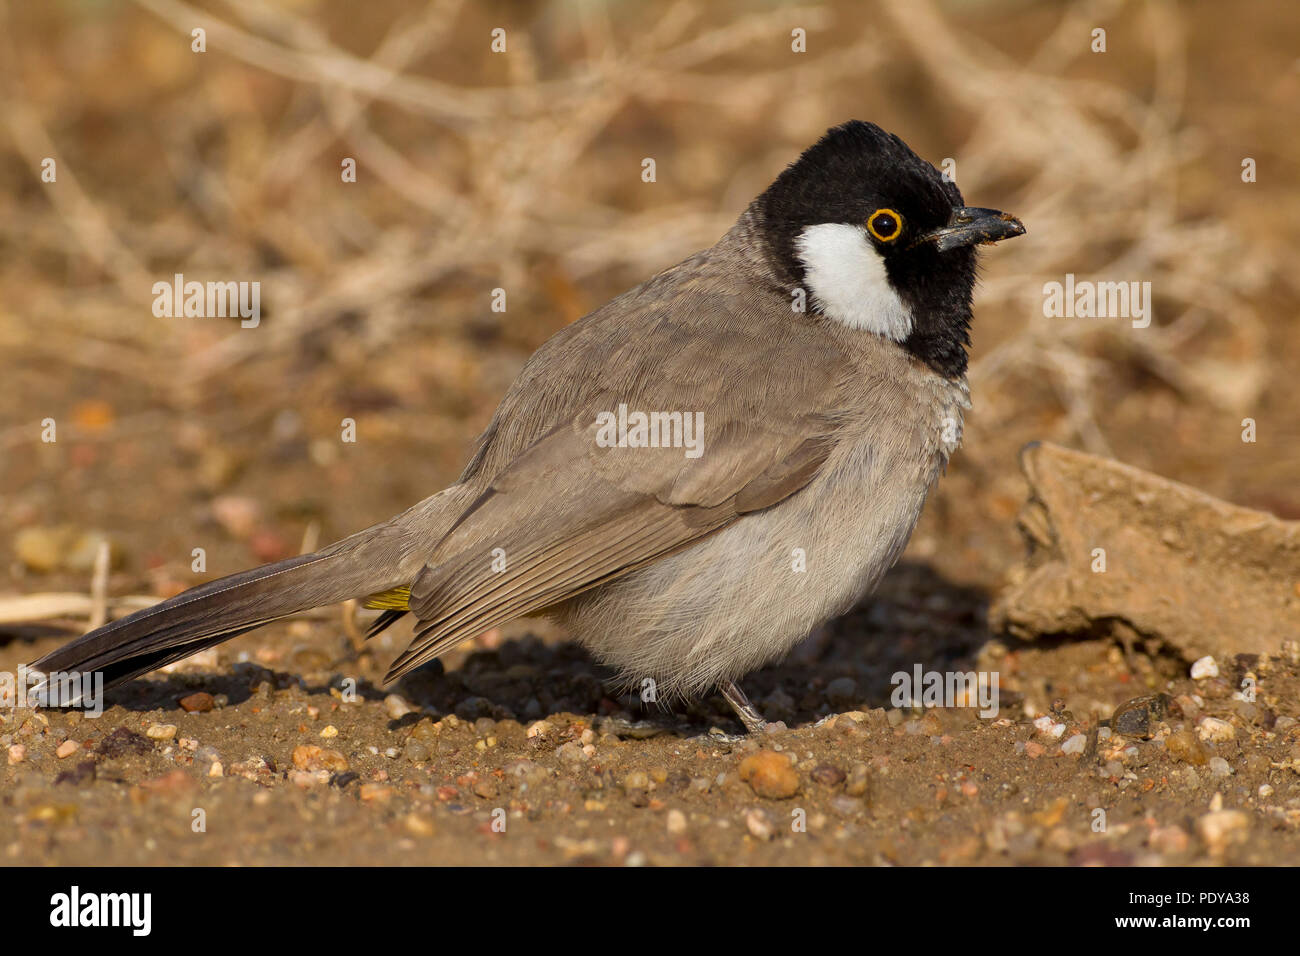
970, 225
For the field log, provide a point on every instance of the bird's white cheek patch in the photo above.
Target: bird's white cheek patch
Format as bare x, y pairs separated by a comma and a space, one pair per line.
847, 279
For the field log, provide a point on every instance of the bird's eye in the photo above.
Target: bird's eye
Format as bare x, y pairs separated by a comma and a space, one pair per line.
885, 225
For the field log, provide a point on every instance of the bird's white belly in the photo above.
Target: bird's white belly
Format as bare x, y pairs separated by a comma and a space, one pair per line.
748, 593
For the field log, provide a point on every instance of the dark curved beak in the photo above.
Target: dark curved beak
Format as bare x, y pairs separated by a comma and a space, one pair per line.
970, 225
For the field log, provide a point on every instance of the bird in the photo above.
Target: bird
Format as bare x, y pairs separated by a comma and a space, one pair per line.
693, 477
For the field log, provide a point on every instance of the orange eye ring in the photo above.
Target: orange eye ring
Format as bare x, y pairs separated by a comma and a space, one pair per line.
885, 224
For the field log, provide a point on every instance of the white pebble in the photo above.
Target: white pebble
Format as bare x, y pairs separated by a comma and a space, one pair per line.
759, 824
1205, 668
396, 707
1075, 744
1220, 828
1212, 728
1049, 727
161, 731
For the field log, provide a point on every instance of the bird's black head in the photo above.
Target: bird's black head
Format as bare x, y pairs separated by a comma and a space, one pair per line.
880, 241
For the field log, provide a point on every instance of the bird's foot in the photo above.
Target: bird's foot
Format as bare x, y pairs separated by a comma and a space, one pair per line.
753, 722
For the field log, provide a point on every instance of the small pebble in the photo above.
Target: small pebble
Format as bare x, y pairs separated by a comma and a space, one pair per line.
1049, 727
306, 779
1219, 767
1211, 728
1134, 717
375, 792
858, 781
1075, 745
1221, 828
418, 824
416, 752
1169, 840
305, 755
759, 824
330, 731
571, 752
161, 731
396, 707
199, 703
845, 805
1205, 668
1185, 746
827, 775
67, 749
676, 822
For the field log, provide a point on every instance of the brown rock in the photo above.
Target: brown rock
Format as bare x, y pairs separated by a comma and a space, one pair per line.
1185, 746
1137, 717
770, 775
375, 792
311, 757
1197, 547
304, 755
828, 775
858, 781
170, 784
199, 703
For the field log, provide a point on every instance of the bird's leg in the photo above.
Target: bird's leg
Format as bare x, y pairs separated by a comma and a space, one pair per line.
743, 708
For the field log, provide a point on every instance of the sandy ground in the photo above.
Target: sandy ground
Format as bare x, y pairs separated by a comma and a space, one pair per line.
515, 755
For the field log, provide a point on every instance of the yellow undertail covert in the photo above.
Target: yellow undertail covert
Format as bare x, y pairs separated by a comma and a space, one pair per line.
394, 599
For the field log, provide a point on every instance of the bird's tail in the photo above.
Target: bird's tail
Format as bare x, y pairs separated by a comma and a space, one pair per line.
218, 610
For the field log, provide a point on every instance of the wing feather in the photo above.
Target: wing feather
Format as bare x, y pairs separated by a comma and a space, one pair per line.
570, 513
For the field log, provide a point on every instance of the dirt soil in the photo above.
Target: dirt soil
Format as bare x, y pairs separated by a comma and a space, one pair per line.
282, 747
515, 755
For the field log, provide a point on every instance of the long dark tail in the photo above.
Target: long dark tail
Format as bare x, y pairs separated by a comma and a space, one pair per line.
219, 610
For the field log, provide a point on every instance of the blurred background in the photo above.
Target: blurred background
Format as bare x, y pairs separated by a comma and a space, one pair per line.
521, 170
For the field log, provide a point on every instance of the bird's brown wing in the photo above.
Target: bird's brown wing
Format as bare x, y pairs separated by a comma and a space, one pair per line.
567, 513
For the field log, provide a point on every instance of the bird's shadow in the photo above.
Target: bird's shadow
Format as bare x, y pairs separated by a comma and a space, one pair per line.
916, 616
